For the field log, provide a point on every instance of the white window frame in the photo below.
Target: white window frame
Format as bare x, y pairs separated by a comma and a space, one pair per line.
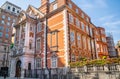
39, 44
77, 10
71, 18
54, 6
82, 15
87, 19
38, 63
82, 26
77, 22
39, 27
55, 61
87, 28
70, 5
79, 40
72, 37
91, 33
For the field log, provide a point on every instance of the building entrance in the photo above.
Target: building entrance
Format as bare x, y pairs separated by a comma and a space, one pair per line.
18, 69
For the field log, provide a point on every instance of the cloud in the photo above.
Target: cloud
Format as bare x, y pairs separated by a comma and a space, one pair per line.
115, 31
101, 3
92, 4
112, 24
107, 18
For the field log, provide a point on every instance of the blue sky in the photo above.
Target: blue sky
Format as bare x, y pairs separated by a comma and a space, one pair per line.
105, 13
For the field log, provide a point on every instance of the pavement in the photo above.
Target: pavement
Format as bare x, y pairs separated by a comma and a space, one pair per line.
16, 78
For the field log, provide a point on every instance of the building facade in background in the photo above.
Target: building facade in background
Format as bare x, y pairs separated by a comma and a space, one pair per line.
8, 17
101, 44
117, 47
70, 37
111, 47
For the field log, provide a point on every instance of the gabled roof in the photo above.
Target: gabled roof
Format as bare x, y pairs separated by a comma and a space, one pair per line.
34, 9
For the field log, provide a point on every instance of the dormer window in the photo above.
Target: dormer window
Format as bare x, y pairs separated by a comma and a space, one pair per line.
55, 6
70, 5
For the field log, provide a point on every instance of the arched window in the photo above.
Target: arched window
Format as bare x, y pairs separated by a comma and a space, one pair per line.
39, 27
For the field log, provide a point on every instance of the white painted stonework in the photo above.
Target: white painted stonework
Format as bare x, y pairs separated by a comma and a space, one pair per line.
26, 57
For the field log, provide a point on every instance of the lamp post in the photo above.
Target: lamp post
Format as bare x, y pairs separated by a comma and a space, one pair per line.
5, 65
46, 62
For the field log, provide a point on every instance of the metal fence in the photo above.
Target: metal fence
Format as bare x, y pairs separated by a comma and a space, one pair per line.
40, 73
111, 71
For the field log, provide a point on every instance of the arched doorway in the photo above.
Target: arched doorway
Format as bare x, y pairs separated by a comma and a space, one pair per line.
18, 69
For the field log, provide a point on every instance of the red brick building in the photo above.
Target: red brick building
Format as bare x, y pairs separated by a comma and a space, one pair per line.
8, 17
70, 36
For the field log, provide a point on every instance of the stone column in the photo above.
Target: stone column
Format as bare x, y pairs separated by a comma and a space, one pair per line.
12, 68
106, 68
85, 68
23, 65
118, 67
22, 73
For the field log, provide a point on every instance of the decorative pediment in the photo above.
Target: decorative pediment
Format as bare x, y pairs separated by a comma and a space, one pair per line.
54, 54
22, 16
34, 12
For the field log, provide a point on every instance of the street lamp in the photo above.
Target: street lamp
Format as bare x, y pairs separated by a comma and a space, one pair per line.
5, 61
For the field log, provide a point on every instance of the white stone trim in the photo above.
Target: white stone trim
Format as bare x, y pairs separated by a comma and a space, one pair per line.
56, 24
66, 46
44, 45
26, 44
